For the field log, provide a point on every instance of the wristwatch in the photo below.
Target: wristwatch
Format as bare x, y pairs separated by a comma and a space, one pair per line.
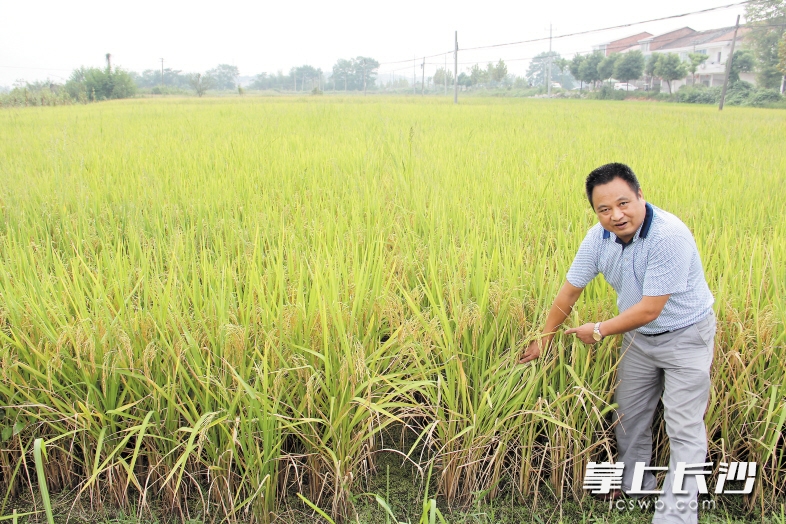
596, 332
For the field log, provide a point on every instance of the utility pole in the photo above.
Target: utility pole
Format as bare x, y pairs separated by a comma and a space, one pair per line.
455, 71
423, 77
446, 74
548, 72
162, 72
364, 77
728, 65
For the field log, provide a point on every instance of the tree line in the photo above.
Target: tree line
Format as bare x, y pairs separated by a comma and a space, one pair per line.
764, 54
346, 75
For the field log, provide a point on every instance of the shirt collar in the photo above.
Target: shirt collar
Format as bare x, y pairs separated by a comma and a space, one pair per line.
644, 228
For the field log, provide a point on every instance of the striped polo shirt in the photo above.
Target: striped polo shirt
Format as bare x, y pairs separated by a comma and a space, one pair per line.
661, 259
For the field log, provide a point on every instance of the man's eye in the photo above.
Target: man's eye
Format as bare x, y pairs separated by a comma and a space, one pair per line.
622, 204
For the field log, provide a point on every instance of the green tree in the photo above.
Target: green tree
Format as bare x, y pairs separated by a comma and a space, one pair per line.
366, 67
349, 74
270, 81
669, 67
575, 67
478, 75
562, 64
588, 70
223, 76
767, 19
307, 77
649, 69
782, 63
561, 72
490, 72
123, 85
538, 68
200, 83
499, 72
442, 75
342, 70
152, 78
606, 66
696, 59
76, 85
743, 62
261, 81
93, 84
629, 66
398, 83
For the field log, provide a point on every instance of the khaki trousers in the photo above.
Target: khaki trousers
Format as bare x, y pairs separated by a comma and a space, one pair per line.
676, 365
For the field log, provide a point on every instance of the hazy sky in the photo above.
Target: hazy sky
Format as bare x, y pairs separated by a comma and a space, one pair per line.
50, 38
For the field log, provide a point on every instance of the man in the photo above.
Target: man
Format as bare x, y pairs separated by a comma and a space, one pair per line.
665, 313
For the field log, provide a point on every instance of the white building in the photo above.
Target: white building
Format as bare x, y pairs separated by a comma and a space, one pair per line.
715, 43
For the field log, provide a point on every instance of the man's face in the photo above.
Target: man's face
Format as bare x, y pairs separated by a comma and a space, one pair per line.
619, 209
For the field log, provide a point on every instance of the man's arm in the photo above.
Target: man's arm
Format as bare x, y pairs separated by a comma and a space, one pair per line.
632, 318
563, 303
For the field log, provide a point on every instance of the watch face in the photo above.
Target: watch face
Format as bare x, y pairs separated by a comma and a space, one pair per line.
596, 336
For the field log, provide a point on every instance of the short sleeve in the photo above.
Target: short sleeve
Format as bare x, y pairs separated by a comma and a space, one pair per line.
668, 267
585, 264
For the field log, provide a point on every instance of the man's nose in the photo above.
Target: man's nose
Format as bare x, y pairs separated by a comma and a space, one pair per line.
616, 214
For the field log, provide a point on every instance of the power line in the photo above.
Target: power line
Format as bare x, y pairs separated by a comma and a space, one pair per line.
520, 59
389, 71
590, 31
410, 60
41, 68
445, 53
749, 26
611, 27
506, 60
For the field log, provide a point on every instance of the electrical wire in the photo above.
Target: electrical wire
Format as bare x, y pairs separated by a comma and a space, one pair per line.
609, 28
41, 68
532, 40
590, 31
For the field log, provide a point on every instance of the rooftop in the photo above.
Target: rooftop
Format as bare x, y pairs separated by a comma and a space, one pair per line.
700, 38
625, 43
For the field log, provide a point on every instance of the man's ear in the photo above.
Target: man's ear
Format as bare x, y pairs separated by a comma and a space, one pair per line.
639, 195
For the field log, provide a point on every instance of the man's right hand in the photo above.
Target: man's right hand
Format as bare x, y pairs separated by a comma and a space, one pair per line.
562, 305
533, 350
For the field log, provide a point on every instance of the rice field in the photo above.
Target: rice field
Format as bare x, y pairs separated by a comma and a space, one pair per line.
221, 303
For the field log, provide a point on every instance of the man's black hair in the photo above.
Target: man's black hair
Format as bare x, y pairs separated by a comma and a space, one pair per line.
606, 173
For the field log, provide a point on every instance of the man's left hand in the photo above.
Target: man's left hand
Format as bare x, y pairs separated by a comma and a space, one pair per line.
583, 332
